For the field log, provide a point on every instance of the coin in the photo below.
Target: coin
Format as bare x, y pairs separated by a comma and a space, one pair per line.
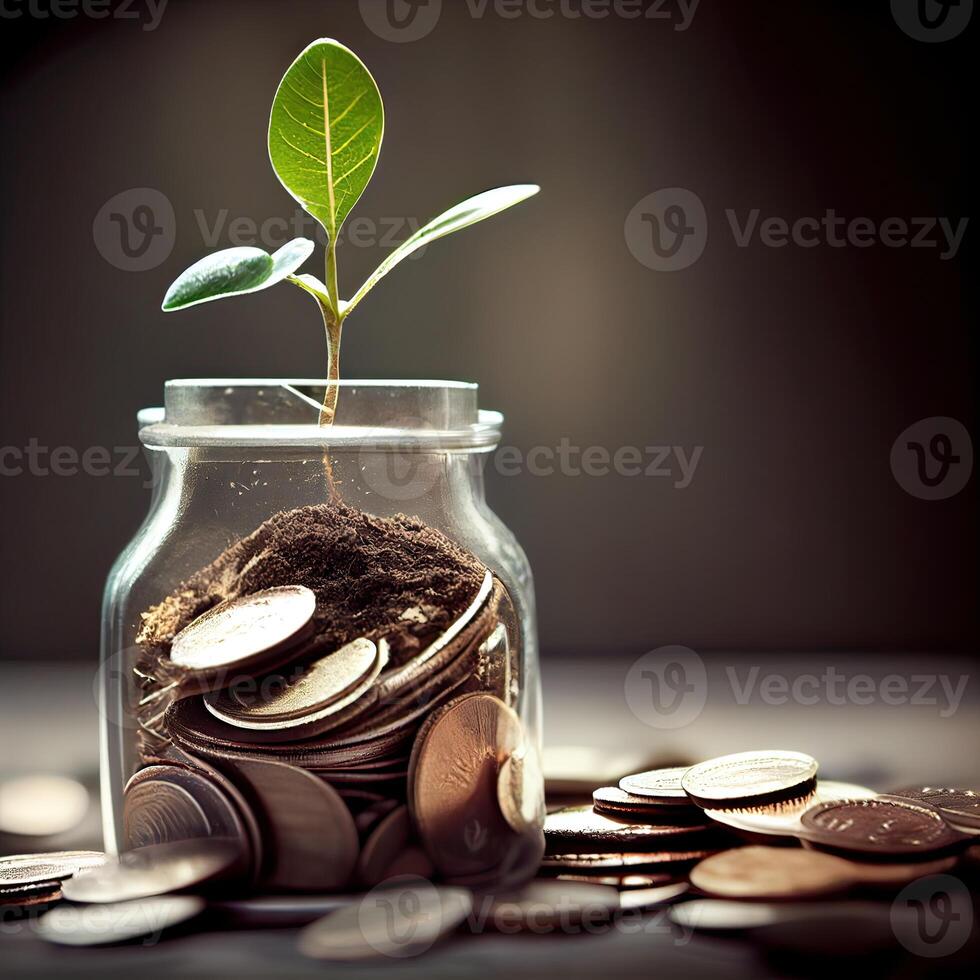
880, 828
771, 873
398, 921
783, 819
580, 828
645, 898
631, 862
611, 801
308, 690
31, 869
156, 870
547, 906
41, 806
959, 807
246, 632
623, 882
886, 874
386, 842
750, 779
310, 832
520, 791
168, 803
660, 786
452, 782
117, 922
728, 915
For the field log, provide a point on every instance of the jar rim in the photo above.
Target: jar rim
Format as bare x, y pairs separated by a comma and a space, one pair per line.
404, 415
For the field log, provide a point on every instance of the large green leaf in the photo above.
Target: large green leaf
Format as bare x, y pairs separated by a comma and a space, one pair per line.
469, 212
234, 271
325, 131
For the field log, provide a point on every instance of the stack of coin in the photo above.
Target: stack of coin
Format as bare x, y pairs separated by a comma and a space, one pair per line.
330, 768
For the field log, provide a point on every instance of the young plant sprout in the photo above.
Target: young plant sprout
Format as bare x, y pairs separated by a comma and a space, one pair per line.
325, 134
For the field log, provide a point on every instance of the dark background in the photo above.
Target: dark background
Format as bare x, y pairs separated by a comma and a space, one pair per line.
794, 368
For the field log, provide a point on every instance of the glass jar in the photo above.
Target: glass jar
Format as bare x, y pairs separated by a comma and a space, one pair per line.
228, 456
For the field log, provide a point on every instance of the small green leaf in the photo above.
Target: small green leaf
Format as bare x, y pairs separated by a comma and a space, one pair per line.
234, 271
469, 212
325, 131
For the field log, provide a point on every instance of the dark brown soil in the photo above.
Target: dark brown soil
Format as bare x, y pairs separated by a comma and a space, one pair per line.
373, 576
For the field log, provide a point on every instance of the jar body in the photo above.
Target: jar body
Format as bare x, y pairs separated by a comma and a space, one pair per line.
216, 483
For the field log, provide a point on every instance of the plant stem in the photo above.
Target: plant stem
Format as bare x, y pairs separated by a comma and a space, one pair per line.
333, 326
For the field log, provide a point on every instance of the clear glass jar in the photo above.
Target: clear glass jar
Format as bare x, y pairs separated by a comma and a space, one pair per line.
228, 455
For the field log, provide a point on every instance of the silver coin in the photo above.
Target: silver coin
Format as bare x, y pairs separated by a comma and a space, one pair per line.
750, 779
72, 925
662, 786
30, 869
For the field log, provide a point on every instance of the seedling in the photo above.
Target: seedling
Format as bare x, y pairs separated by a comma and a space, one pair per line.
325, 134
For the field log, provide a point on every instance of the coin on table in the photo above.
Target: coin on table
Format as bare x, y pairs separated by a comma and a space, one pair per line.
580, 828
960, 808
647, 898
771, 873
549, 905
747, 779
889, 874
42, 805
300, 693
247, 632
879, 828
71, 925
398, 920
611, 801
520, 790
31, 870
156, 870
661, 787
633, 862
783, 819
452, 782
311, 833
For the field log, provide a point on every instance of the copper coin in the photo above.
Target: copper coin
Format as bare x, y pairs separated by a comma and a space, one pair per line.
771, 873
452, 782
553, 905
247, 631
783, 819
880, 828
888, 874
156, 870
611, 801
119, 922
520, 791
32, 869
392, 835
400, 920
300, 694
580, 828
310, 831
750, 779
959, 807
660, 786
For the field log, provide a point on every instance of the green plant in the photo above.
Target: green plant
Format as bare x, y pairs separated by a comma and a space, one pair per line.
325, 133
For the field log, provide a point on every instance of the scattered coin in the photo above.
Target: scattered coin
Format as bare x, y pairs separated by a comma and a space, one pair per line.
156, 870
959, 807
658, 786
611, 801
520, 791
580, 828
397, 921
547, 906
646, 898
32, 869
627, 863
886, 874
452, 782
771, 873
783, 819
71, 925
41, 806
750, 779
310, 832
247, 632
880, 828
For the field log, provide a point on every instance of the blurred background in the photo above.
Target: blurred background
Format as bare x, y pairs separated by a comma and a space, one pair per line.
784, 373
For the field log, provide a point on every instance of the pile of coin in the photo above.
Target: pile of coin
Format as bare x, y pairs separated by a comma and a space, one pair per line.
338, 768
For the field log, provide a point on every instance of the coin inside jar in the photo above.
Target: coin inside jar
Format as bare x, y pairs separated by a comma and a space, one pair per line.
452, 782
520, 791
580, 828
750, 779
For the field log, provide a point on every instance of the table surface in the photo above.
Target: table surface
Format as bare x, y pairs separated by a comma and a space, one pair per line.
49, 722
